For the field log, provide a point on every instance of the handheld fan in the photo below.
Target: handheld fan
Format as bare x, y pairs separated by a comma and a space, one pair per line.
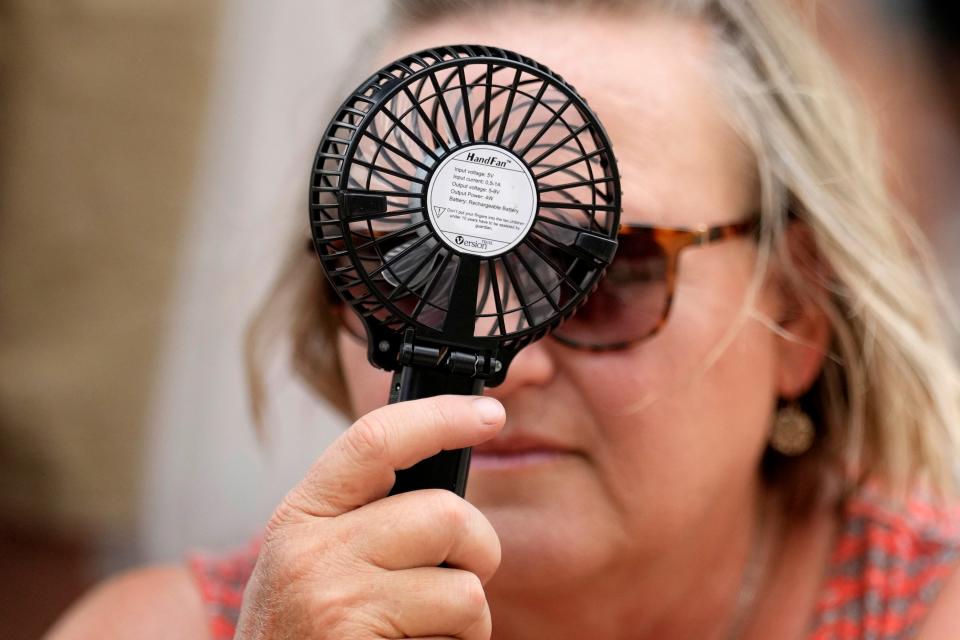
464, 200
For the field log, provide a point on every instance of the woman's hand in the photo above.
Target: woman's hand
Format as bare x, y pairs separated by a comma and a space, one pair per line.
342, 560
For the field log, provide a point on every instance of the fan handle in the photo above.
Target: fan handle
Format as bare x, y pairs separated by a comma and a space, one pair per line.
448, 469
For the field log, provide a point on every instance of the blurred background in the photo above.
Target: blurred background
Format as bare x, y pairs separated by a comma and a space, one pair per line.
153, 167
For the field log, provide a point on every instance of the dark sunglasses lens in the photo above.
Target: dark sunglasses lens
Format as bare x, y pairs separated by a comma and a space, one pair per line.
631, 301
629, 304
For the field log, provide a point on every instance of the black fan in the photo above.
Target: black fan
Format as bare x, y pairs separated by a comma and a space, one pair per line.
464, 201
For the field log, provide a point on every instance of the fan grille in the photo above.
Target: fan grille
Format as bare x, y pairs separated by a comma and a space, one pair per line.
374, 168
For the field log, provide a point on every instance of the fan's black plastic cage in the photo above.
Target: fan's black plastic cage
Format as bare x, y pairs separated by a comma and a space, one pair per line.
368, 207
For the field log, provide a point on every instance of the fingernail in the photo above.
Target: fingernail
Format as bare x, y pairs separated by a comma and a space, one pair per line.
489, 410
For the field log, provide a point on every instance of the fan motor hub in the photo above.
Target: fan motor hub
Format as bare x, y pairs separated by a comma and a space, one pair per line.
482, 200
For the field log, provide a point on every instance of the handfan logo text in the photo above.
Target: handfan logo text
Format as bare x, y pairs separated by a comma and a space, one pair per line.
490, 160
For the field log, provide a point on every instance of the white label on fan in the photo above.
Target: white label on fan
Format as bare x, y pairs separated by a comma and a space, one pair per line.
482, 200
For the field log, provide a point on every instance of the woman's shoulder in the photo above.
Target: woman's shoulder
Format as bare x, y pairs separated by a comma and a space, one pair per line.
199, 599
893, 569
144, 604
926, 520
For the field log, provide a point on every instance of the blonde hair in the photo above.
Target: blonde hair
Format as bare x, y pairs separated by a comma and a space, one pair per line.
887, 401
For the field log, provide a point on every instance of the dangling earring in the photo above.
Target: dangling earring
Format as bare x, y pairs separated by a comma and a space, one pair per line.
792, 434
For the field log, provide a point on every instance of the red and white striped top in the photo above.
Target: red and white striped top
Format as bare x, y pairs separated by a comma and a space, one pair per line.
886, 568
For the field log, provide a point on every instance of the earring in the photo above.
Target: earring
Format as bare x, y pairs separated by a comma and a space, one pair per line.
792, 434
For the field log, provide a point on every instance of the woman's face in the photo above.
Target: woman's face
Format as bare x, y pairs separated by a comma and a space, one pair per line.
659, 443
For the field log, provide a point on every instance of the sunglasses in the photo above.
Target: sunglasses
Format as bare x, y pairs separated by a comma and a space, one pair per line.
633, 300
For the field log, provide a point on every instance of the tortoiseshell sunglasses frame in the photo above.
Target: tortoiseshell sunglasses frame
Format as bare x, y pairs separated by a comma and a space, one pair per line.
671, 240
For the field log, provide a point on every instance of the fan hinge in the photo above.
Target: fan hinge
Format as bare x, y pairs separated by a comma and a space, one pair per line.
415, 352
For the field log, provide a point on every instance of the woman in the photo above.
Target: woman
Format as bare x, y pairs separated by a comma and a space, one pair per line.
760, 464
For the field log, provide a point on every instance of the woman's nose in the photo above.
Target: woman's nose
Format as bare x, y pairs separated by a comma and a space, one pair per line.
533, 366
